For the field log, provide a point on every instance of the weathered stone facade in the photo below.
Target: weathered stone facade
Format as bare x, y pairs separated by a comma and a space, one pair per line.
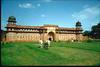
35, 33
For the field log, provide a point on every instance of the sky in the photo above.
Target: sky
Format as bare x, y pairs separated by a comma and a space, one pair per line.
64, 13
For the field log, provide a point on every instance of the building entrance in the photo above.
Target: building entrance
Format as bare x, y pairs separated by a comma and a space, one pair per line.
51, 36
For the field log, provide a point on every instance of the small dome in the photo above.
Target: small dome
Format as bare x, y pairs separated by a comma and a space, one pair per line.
78, 23
11, 19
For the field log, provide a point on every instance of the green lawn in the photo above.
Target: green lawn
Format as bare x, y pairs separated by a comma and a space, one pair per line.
60, 53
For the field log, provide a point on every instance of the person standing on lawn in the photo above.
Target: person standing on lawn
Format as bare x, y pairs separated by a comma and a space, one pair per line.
41, 43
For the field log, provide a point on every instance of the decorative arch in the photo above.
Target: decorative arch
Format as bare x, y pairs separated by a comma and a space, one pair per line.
51, 36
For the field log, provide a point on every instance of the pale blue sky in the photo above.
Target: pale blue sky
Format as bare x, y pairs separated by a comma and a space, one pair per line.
64, 13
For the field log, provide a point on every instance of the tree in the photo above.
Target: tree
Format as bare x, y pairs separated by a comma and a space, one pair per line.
95, 31
87, 33
3, 35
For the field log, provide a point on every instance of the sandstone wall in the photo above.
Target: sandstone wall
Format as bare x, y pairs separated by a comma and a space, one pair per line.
65, 37
22, 36
11, 36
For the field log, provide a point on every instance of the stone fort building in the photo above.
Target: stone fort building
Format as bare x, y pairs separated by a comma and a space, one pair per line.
35, 33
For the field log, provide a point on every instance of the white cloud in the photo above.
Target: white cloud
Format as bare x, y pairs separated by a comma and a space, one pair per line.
26, 5
29, 5
43, 15
89, 12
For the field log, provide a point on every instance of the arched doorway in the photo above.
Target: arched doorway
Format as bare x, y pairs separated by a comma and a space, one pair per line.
51, 36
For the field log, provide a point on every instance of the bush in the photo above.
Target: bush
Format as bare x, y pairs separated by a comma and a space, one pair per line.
89, 40
6, 44
45, 45
59, 41
96, 40
68, 41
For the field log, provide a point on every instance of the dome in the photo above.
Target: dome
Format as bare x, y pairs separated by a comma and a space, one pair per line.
11, 19
78, 23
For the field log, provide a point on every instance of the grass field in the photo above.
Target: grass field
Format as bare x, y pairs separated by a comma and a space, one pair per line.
60, 53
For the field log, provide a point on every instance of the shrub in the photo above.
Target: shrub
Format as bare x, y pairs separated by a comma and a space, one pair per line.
96, 40
45, 45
